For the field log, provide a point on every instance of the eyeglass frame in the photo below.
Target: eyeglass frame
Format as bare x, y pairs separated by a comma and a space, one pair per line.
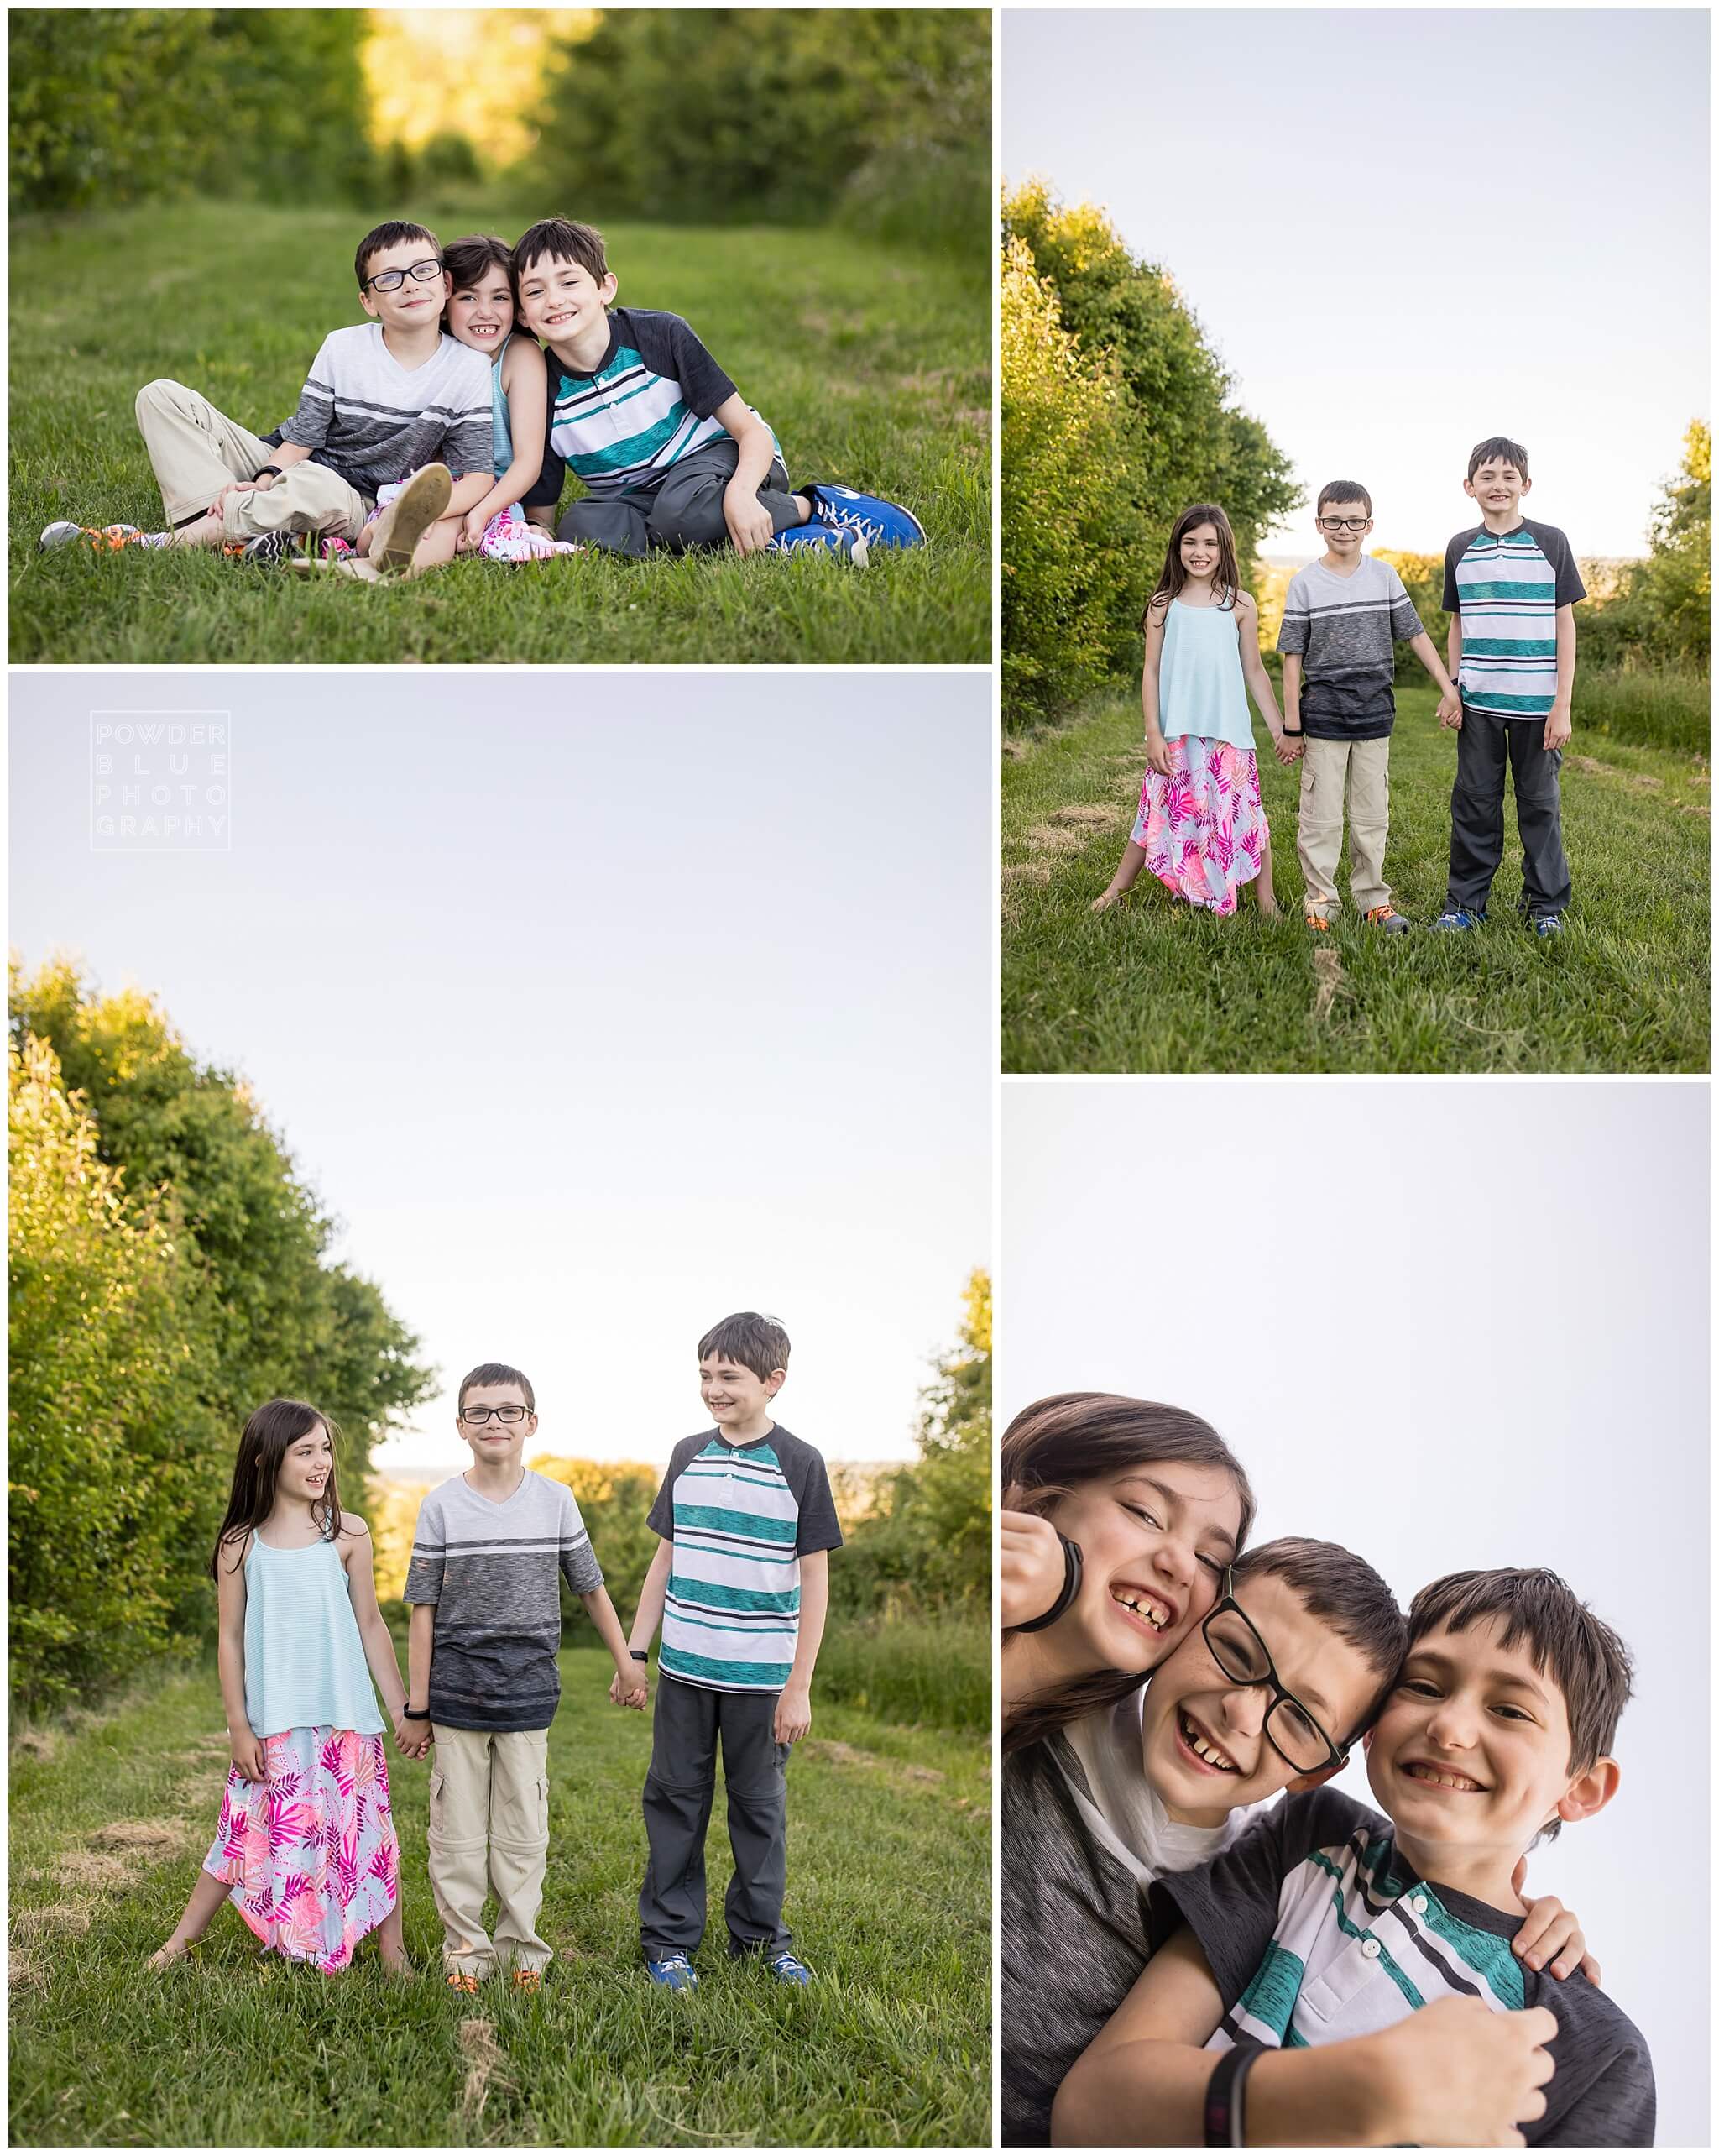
434, 263
1335, 1755
481, 1417
1343, 523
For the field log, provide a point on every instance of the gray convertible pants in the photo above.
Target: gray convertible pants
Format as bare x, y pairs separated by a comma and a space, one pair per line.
682, 509
1484, 748
678, 1790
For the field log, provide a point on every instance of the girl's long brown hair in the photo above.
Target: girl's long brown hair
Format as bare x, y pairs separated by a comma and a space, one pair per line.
1172, 576
1066, 1439
269, 1434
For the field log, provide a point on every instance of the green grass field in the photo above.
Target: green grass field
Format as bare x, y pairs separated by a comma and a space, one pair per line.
871, 363
1156, 986
889, 1896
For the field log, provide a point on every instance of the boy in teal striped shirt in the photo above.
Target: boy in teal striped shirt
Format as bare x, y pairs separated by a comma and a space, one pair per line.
740, 1584
1510, 588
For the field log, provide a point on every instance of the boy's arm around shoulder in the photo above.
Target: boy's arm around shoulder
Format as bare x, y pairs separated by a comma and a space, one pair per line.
1455, 2075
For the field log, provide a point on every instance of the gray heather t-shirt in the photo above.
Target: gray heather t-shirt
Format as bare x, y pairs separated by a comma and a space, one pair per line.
492, 1573
1345, 629
1317, 1928
371, 421
1074, 1872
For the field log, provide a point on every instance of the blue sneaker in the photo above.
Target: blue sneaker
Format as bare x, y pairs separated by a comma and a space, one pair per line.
884, 523
850, 545
788, 1969
674, 1972
1549, 925
1458, 917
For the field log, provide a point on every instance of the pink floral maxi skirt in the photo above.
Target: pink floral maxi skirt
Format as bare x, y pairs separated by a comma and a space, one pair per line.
1202, 828
311, 1853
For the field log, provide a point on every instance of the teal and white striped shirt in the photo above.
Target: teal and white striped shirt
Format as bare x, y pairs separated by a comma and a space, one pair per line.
740, 1517
1507, 588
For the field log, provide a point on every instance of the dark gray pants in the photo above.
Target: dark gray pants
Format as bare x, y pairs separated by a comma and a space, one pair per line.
1483, 748
682, 510
678, 1790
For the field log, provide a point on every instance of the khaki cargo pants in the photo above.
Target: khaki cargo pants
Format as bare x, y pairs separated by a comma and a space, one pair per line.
489, 1826
196, 451
1335, 774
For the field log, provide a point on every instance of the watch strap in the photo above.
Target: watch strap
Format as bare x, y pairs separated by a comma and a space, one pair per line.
1223, 2125
1071, 1587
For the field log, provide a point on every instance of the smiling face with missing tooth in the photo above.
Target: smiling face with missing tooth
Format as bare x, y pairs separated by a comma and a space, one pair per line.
1154, 1540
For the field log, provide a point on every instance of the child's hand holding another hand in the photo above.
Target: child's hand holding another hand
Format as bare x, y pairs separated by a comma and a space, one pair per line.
1450, 712
630, 1686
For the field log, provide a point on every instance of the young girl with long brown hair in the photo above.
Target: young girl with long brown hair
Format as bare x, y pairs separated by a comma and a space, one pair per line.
1201, 829
306, 1847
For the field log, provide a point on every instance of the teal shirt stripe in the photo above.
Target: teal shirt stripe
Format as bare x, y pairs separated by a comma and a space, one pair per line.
731, 1677
1488, 1956
1516, 588
1510, 647
685, 1540
1507, 707
719, 1521
1271, 1997
710, 1594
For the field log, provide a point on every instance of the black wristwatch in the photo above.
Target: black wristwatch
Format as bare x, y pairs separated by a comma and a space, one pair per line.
412, 1714
639, 1654
1224, 2125
273, 470
1071, 1587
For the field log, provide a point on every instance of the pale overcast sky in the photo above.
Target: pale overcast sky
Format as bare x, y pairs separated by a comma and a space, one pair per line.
595, 1005
1453, 1324
1405, 231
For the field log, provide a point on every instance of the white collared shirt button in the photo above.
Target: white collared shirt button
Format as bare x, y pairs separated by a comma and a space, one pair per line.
1371, 1949
1419, 1905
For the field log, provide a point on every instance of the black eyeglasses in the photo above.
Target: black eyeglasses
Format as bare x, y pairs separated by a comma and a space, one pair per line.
480, 1416
390, 280
1294, 1732
1344, 523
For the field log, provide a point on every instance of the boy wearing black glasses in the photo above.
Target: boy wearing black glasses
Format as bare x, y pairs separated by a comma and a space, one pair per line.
383, 400
1343, 616
1351, 1978
489, 1553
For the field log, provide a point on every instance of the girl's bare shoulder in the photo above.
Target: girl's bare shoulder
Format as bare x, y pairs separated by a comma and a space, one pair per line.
353, 1528
1245, 602
523, 355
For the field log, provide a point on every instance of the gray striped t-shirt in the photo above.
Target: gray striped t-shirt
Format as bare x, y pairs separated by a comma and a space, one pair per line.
492, 1573
365, 416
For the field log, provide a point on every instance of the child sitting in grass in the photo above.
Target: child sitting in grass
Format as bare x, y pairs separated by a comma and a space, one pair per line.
670, 453
391, 400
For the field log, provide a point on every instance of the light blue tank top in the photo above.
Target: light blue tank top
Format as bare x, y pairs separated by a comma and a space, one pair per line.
304, 1660
498, 411
1200, 685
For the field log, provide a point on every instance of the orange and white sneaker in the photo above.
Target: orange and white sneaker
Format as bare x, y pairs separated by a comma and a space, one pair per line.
1388, 918
459, 1980
1319, 921
528, 1980
106, 539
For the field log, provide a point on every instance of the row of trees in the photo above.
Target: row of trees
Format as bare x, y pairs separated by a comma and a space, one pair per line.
878, 117
117, 105
1116, 414
169, 1272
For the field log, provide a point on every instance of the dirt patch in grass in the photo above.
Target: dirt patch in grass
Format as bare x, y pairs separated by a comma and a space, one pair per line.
837, 1753
1329, 982
923, 1775
146, 1837
66, 1919
35, 1743
1638, 781
92, 1868
25, 1971
484, 2064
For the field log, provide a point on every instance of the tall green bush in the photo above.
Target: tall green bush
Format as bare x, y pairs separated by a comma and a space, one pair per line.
1180, 438
116, 105
1071, 530
117, 1466
879, 116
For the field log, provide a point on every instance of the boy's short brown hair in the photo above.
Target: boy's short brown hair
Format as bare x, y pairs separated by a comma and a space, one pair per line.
1345, 1591
757, 1343
381, 236
1587, 1661
497, 1373
1497, 449
560, 239
1344, 490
